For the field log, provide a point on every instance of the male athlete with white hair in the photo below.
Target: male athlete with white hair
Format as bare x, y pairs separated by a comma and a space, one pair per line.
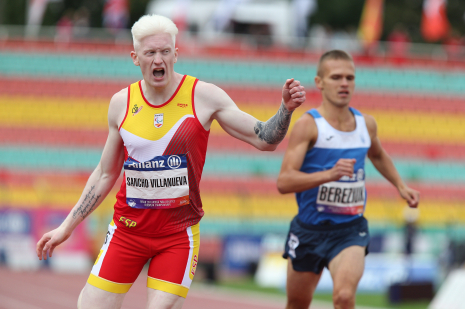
158, 132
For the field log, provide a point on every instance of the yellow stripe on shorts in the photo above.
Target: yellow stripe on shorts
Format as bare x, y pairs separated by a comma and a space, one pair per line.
167, 287
195, 252
109, 286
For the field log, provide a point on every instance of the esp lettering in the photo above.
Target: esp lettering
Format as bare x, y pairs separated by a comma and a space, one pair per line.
128, 222
194, 264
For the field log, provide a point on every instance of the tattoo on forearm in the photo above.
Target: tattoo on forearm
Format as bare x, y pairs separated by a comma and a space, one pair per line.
274, 130
87, 205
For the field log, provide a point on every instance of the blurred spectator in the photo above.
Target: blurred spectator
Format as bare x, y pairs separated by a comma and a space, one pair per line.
116, 14
81, 22
261, 34
399, 42
319, 37
180, 15
454, 45
224, 13
65, 27
346, 40
302, 11
35, 13
434, 23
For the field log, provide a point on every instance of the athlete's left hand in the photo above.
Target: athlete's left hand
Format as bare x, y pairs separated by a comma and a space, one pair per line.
49, 241
411, 196
293, 94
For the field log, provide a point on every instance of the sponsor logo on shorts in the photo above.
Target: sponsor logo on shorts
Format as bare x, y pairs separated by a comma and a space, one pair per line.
128, 222
362, 234
194, 264
183, 105
293, 243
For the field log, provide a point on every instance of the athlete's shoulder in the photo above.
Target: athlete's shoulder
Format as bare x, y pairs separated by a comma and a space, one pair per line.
305, 128
119, 98
118, 104
207, 89
313, 113
208, 94
307, 118
370, 122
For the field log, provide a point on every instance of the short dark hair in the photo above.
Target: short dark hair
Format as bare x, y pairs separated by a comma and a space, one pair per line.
334, 54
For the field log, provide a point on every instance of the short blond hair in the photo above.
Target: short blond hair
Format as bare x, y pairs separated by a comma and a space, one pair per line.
334, 54
152, 24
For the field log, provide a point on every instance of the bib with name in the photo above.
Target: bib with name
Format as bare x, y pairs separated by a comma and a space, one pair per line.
159, 183
341, 197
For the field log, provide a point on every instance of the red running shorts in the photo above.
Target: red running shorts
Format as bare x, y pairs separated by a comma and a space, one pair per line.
123, 255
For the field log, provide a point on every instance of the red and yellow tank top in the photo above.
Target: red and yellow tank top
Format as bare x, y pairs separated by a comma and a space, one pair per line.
165, 148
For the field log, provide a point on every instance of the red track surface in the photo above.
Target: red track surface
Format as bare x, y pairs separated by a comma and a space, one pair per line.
48, 290
81, 138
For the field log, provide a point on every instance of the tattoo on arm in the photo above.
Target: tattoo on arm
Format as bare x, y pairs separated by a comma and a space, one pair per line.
87, 205
274, 130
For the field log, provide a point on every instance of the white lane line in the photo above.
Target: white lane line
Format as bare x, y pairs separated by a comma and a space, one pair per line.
11, 303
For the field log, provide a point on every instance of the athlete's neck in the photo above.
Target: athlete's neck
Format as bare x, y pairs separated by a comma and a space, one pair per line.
339, 117
160, 95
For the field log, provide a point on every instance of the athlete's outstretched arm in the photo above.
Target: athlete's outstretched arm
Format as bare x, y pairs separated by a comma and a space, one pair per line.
383, 163
274, 130
98, 185
262, 135
303, 137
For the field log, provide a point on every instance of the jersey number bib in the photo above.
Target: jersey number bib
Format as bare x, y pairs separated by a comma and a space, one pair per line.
343, 198
159, 183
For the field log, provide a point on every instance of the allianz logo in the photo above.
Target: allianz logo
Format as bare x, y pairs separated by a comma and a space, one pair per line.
172, 162
360, 175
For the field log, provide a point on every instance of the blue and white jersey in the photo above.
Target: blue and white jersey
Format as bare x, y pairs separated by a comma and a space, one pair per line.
337, 201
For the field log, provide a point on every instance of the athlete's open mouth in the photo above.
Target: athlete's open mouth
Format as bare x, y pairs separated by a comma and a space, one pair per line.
344, 92
158, 73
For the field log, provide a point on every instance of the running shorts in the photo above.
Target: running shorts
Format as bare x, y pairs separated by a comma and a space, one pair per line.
123, 255
312, 247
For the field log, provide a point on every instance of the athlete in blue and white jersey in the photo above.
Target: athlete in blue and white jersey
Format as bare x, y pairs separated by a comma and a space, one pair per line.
342, 200
324, 165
